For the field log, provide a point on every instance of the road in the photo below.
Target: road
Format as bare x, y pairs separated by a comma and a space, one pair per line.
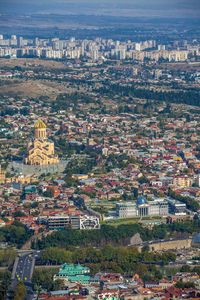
23, 270
157, 241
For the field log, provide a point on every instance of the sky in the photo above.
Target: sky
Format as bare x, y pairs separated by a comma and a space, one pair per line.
134, 8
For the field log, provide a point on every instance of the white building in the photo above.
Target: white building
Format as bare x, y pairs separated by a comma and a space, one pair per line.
84, 222
126, 210
142, 208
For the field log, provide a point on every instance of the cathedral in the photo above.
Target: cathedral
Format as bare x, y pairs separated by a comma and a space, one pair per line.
2, 176
40, 149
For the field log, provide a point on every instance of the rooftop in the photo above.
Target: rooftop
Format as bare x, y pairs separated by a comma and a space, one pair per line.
40, 124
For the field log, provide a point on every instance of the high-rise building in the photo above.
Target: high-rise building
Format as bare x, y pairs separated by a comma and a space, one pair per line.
20, 41
138, 46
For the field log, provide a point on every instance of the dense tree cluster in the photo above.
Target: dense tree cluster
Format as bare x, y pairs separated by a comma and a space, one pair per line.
118, 161
82, 166
109, 234
123, 257
185, 285
20, 291
64, 101
126, 261
190, 97
15, 234
5, 279
7, 256
44, 278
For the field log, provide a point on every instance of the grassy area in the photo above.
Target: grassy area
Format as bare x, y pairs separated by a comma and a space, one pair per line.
51, 268
169, 270
117, 222
153, 218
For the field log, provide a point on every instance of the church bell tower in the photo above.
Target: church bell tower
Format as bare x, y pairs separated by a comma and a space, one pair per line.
40, 130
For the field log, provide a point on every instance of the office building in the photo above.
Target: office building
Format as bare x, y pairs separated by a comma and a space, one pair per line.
84, 222
126, 210
176, 207
142, 208
58, 222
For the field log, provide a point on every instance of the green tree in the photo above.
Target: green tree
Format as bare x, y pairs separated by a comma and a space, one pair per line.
5, 280
19, 213
49, 193
185, 268
183, 285
145, 248
20, 291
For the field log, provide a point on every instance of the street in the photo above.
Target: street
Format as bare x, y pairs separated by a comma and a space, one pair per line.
23, 270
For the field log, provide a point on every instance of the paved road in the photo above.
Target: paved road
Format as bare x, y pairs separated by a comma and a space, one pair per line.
24, 267
158, 241
23, 271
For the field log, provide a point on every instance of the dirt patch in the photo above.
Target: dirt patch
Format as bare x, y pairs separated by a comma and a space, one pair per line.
181, 66
35, 89
33, 63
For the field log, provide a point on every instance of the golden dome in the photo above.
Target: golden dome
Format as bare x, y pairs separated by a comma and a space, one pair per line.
40, 124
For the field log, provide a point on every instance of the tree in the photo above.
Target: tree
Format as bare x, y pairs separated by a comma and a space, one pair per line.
5, 279
20, 291
145, 248
141, 269
7, 256
135, 193
19, 213
185, 268
56, 256
108, 252
184, 285
143, 179
44, 278
58, 284
49, 193
15, 233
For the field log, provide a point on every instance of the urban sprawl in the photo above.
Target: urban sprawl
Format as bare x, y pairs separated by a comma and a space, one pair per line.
100, 169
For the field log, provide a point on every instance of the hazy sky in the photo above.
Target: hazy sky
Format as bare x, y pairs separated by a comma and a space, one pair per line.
150, 8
